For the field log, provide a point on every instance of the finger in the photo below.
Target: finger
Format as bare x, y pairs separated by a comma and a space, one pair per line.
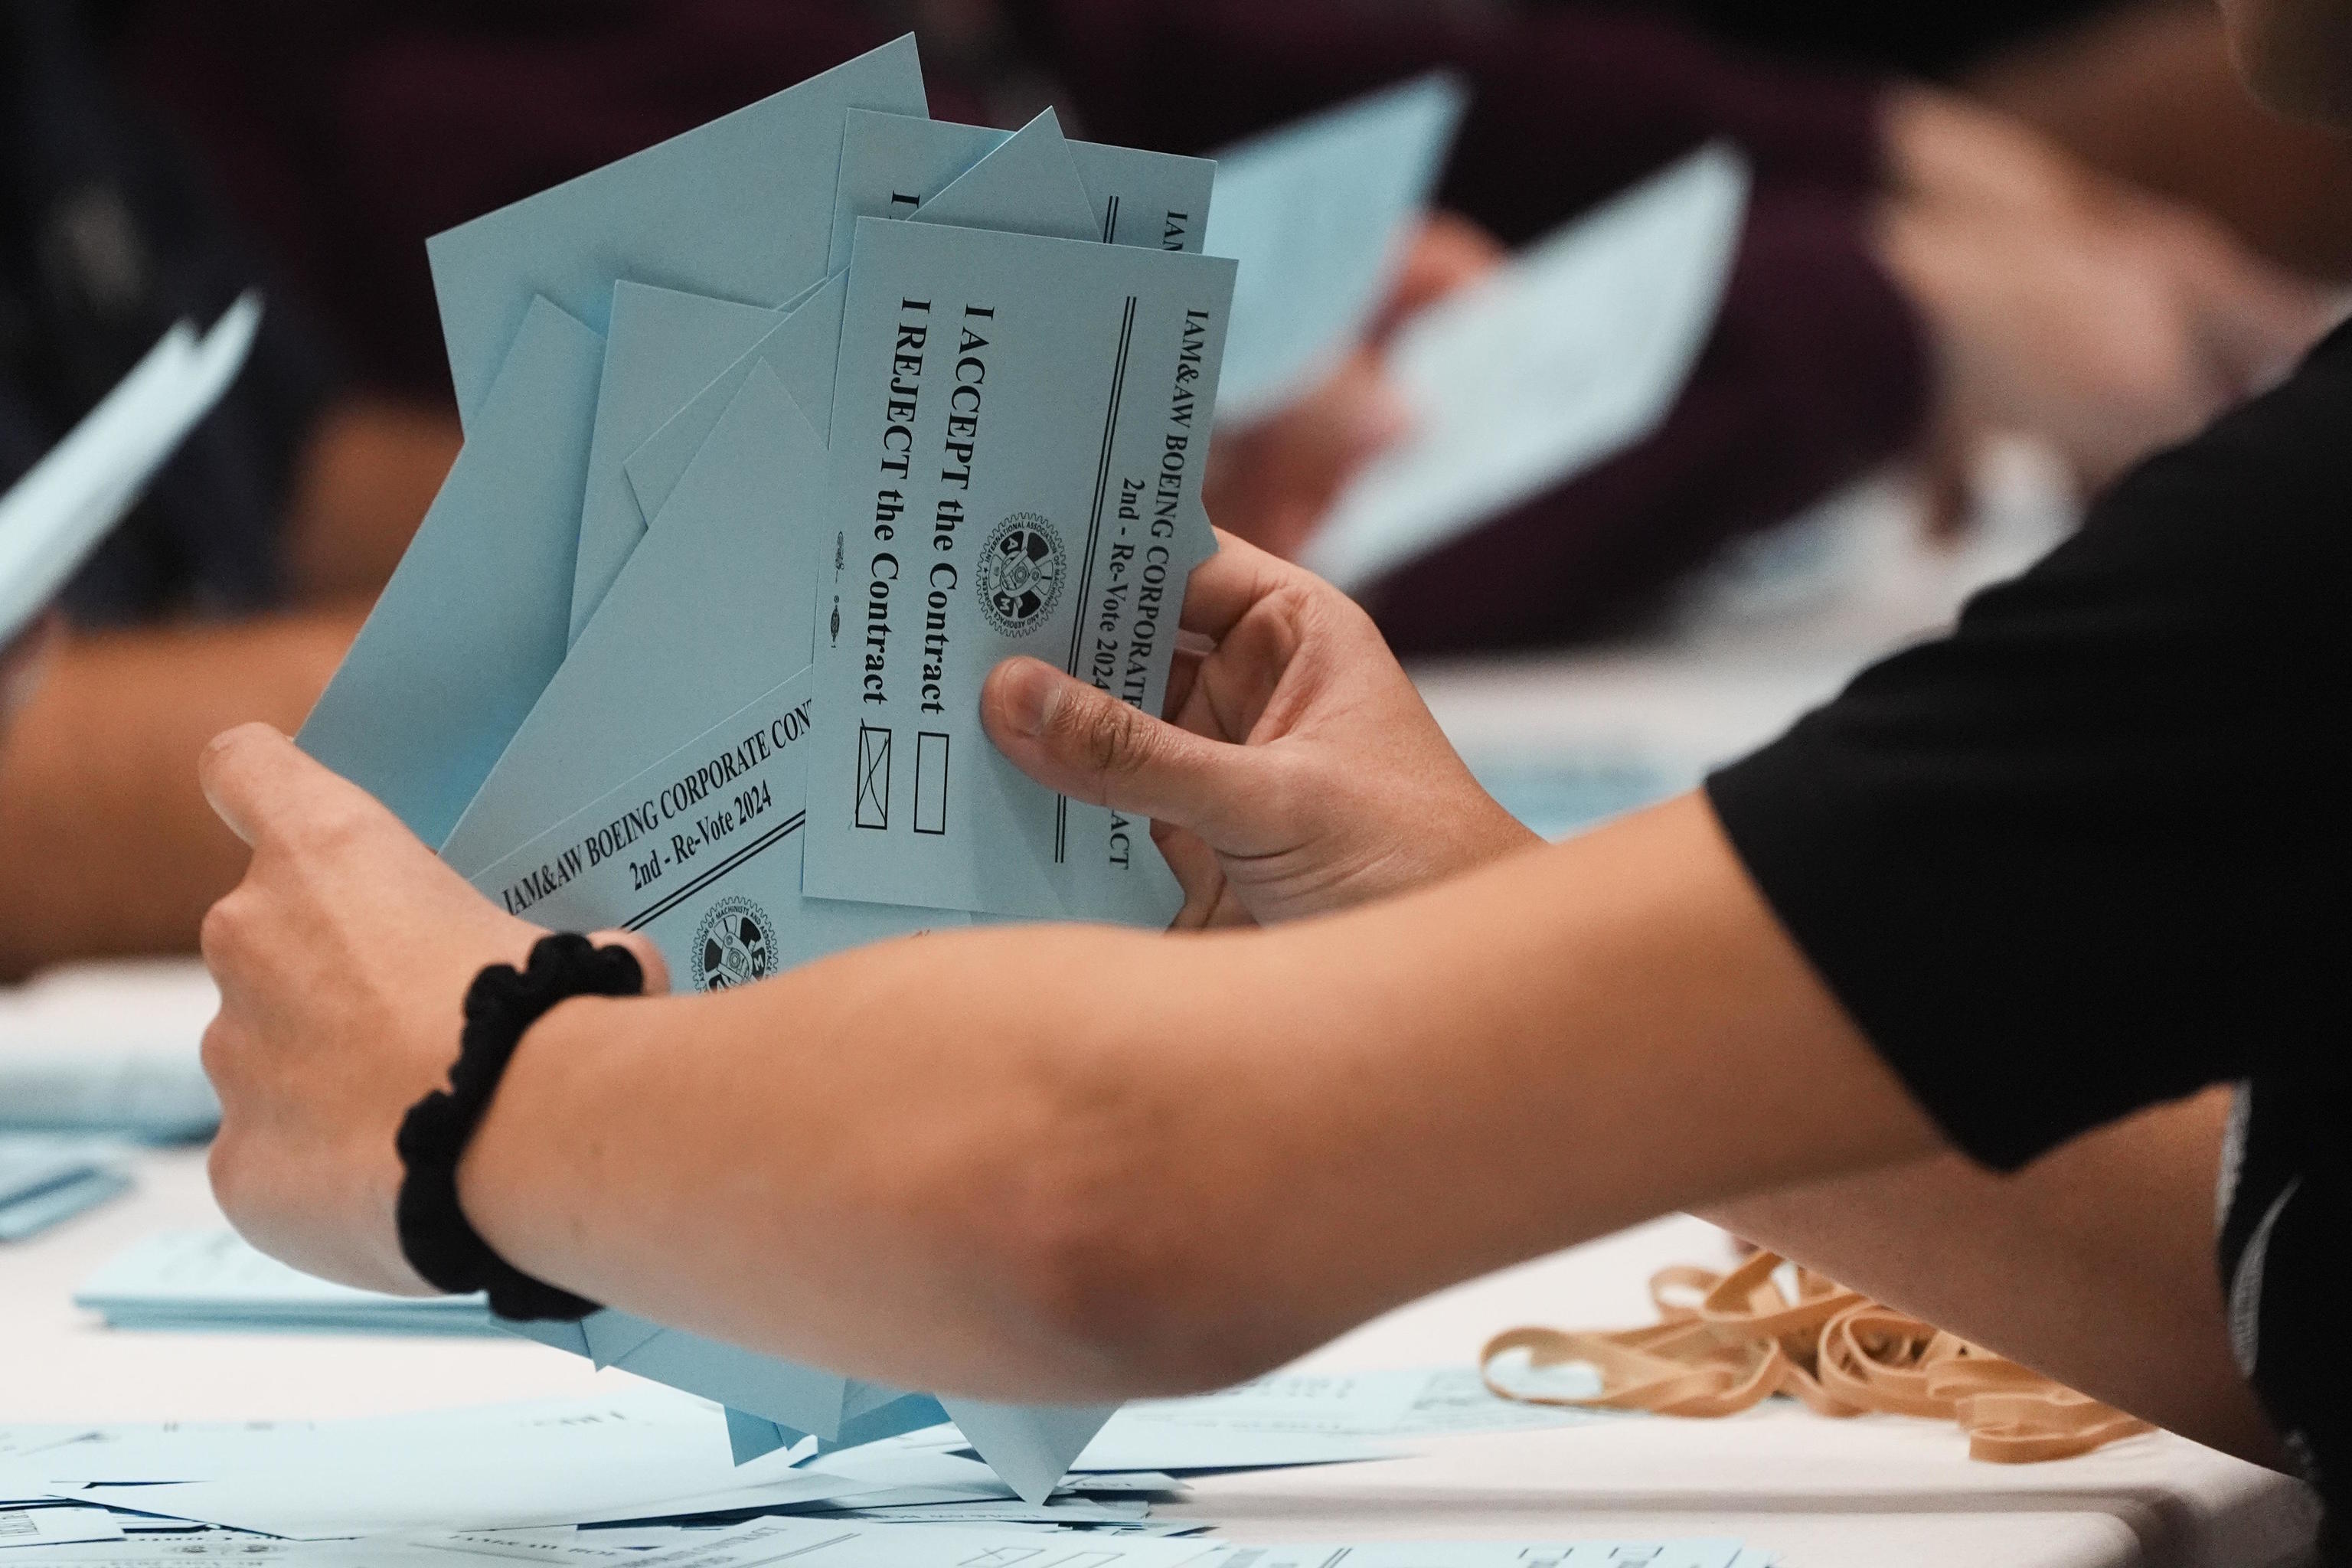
1184, 674
649, 957
1229, 584
1197, 872
1947, 487
1080, 742
1450, 253
254, 777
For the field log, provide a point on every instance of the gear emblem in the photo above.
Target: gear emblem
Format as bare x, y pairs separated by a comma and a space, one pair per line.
735, 945
1019, 573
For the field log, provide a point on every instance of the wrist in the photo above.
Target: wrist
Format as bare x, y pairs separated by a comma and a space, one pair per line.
436, 1235
525, 1180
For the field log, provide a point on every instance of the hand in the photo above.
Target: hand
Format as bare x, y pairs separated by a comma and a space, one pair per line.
1301, 771
342, 959
1272, 482
2066, 304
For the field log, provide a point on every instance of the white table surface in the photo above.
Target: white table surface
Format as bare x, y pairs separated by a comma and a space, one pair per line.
1881, 1491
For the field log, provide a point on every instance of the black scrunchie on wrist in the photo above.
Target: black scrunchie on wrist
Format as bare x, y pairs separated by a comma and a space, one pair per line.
438, 1240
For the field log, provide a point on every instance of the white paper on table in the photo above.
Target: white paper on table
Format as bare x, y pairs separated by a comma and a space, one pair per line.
846, 1543
65, 1525
1573, 351
1698, 1552
551, 1462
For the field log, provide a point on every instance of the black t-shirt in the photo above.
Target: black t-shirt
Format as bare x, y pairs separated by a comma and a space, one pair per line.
2088, 852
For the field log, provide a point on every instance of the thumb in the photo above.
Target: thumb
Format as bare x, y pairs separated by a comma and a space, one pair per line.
1081, 742
257, 781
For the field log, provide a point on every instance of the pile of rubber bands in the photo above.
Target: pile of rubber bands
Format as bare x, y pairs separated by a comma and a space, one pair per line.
1725, 1341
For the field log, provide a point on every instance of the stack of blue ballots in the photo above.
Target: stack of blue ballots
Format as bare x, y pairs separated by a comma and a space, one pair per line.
182, 1280
779, 436
45, 1181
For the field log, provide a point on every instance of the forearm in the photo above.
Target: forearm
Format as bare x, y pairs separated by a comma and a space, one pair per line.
2094, 1264
111, 847
1080, 1162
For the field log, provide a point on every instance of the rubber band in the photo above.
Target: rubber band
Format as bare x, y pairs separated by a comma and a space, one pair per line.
1725, 1343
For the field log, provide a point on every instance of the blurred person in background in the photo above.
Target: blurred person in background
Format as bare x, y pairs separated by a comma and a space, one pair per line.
1913, 272
2142, 89
1916, 271
233, 588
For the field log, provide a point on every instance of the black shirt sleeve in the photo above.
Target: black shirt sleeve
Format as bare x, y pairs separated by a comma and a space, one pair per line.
2088, 852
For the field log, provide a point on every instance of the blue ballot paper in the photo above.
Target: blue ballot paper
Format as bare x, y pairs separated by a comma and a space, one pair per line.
597, 683
56, 514
891, 166
740, 543
661, 347
741, 208
1019, 428
1318, 213
475, 620
800, 350
1027, 185
700, 850
1573, 351
109, 1048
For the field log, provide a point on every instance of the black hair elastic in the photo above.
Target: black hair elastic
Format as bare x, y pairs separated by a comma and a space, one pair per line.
440, 1243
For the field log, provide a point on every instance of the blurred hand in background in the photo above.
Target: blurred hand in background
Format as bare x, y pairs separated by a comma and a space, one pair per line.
2064, 304
2058, 303
1272, 482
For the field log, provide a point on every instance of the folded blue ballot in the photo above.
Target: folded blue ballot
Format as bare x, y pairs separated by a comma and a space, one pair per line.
1319, 214
778, 436
1574, 350
54, 516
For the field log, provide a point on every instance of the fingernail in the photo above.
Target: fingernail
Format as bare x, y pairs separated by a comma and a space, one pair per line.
1031, 688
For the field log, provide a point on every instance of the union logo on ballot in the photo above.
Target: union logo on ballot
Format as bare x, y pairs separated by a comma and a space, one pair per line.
735, 945
1019, 573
